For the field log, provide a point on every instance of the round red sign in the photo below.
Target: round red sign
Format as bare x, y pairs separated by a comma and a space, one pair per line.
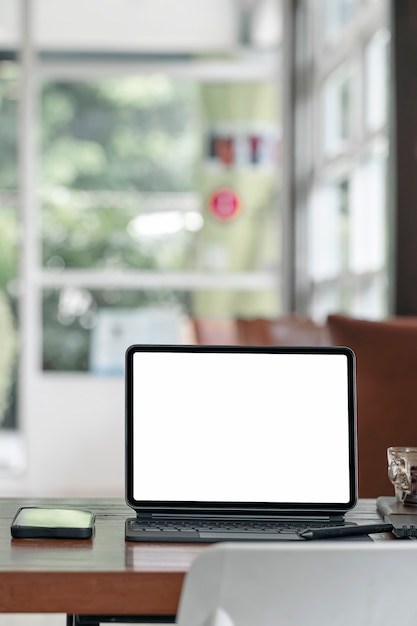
224, 204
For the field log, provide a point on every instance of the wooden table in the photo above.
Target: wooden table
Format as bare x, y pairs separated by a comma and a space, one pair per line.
102, 576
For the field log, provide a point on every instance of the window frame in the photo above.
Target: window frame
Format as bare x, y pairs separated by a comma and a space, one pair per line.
318, 62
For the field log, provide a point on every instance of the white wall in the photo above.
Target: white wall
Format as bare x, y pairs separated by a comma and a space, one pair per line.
74, 439
126, 25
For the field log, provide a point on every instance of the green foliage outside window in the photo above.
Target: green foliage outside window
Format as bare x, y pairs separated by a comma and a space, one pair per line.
138, 136
120, 134
9, 91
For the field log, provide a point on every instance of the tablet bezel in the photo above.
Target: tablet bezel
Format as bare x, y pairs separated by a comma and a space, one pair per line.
236, 508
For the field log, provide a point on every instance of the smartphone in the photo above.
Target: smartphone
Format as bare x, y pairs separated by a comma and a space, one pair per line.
31, 522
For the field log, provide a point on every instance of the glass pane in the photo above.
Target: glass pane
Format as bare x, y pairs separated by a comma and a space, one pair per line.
370, 299
89, 330
8, 311
376, 76
335, 297
9, 86
325, 299
114, 230
161, 174
120, 134
338, 112
119, 165
367, 242
338, 13
9, 235
76, 321
328, 230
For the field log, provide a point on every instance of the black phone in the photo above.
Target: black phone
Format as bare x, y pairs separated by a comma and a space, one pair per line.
31, 522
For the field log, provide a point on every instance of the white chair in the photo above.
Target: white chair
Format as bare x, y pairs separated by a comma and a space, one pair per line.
324, 583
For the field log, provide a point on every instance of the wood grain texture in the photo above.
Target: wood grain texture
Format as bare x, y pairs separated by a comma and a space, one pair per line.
104, 575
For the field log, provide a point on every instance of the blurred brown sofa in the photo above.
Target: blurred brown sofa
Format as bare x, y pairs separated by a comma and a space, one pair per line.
290, 330
386, 367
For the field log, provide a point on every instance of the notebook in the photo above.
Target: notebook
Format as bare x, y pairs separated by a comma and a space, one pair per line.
228, 443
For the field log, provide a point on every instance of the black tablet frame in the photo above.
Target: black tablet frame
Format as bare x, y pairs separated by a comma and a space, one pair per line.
238, 508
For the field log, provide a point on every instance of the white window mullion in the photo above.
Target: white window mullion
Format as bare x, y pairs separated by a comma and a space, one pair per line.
29, 307
136, 280
203, 71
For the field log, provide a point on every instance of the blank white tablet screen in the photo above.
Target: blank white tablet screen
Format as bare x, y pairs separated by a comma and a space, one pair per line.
240, 427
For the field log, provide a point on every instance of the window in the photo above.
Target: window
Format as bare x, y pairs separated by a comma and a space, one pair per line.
9, 241
376, 80
338, 113
147, 191
341, 188
157, 175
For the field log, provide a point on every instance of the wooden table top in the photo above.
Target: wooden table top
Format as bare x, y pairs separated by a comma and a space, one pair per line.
104, 575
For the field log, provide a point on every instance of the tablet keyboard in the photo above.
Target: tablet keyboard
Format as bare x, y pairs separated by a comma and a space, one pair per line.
216, 530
